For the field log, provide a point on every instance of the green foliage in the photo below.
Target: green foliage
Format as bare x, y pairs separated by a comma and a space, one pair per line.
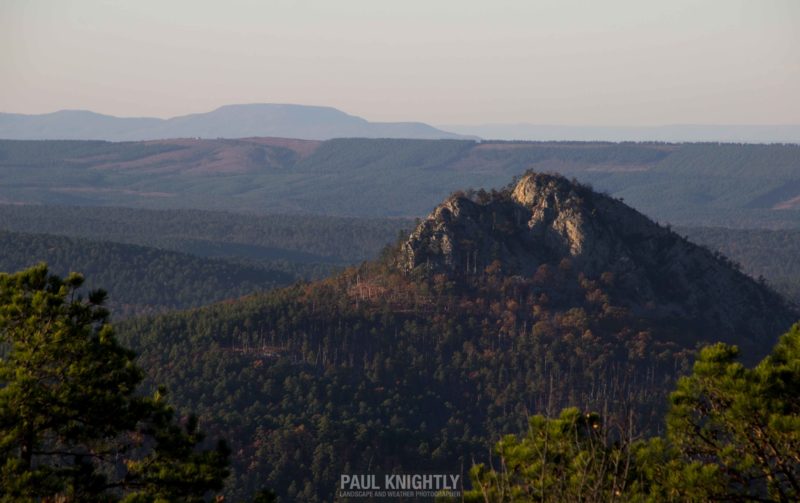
558, 460
71, 423
742, 423
663, 475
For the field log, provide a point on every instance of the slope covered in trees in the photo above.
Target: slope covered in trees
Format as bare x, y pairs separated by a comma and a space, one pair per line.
262, 239
686, 184
771, 254
497, 307
73, 428
139, 279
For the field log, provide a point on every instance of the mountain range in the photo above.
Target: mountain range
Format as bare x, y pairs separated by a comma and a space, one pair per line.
323, 123
230, 121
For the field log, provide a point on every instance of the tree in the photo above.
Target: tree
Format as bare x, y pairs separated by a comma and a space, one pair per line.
567, 458
740, 425
72, 425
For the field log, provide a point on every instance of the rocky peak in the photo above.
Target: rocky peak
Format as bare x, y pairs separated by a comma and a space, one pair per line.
544, 219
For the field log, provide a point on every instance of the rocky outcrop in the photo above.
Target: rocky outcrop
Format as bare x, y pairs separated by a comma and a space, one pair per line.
545, 219
542, 219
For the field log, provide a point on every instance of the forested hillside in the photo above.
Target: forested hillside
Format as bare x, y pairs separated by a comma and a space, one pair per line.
263, 239
140, 280
424, 358
688, 184
769, 254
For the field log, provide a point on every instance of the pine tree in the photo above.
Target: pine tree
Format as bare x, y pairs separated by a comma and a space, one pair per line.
742, 425
72, 425
568, 458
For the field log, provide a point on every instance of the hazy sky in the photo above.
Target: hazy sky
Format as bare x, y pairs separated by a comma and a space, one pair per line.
592, 62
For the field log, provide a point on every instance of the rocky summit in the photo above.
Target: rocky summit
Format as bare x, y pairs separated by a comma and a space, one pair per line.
547, 220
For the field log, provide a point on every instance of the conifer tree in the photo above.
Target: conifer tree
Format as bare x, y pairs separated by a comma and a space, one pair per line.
72, 425
741, 425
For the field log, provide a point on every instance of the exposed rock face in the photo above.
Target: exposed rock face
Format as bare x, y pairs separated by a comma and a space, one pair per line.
545, 219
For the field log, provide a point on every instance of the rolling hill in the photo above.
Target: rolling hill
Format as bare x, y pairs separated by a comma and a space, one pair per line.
313, 246
772, 255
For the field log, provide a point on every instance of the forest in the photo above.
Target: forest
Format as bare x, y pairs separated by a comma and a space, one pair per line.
306, 239
762, 253
731, 431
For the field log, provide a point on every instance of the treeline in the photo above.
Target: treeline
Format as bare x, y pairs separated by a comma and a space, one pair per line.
312, 247
324, 242
38, 154
155, 260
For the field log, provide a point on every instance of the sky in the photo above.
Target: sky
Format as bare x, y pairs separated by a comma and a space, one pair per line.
570, 62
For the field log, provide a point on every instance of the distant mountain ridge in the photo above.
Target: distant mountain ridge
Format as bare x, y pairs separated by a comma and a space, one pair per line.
230, 121
307, 122
673, 133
